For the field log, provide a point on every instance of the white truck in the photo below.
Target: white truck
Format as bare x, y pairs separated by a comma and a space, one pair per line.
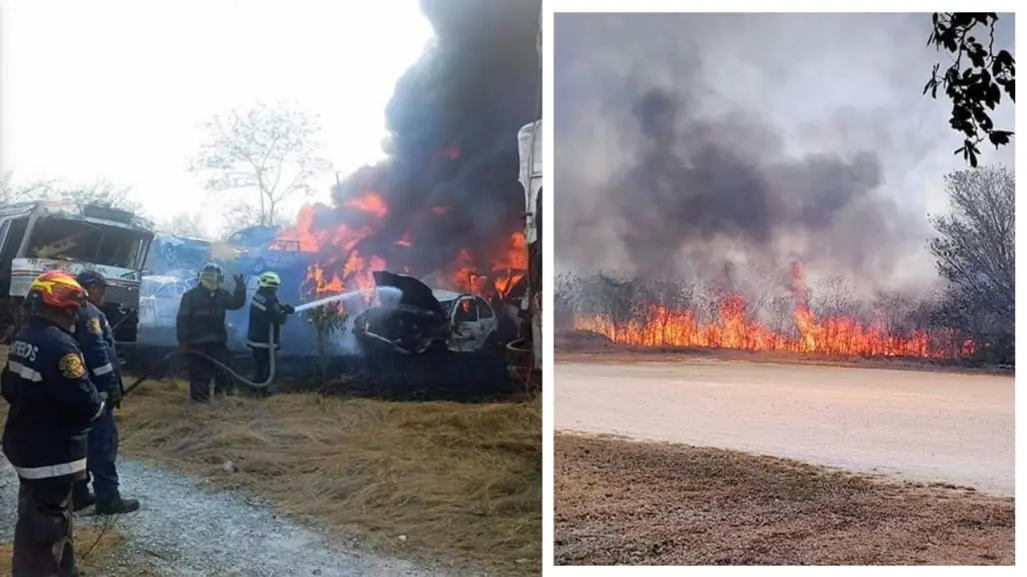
39, 236
529, 140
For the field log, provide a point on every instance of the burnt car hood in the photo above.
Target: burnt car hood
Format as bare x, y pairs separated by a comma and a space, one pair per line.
415, 293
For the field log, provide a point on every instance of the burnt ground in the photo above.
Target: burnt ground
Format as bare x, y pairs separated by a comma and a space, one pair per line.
433, 376
620, 502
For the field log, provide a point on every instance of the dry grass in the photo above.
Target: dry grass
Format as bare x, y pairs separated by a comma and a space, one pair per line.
100, 543
462, 482
620, 502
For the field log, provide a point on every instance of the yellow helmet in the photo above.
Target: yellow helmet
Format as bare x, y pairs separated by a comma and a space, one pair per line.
269, 279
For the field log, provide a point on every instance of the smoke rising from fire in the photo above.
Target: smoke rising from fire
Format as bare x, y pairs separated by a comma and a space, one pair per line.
761, 138
449, 191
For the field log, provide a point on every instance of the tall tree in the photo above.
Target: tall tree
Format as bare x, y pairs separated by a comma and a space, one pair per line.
976, 251
270, 151
975, 79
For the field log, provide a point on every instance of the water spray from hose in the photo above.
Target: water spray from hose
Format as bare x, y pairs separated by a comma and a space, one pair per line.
378, 291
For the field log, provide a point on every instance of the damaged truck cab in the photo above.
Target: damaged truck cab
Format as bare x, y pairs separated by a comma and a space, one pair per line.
39, 236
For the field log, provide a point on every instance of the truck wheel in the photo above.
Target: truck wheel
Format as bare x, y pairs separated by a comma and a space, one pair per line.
258, 267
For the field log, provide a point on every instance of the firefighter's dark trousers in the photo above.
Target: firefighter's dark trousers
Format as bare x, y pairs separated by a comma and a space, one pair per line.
43, 544
201, 371
102, 457
262, 359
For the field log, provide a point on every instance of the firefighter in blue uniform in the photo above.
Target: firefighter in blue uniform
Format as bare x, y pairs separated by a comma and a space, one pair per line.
53, 403
266, 313
96, 339
201, 327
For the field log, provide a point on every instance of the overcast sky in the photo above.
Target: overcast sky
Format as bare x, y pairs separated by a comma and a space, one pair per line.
757, 91
117, 89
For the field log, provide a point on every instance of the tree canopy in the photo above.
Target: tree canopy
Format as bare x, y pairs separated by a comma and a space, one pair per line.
100, 191
976, 253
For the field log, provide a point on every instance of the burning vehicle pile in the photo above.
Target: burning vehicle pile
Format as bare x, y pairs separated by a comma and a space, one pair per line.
422, 256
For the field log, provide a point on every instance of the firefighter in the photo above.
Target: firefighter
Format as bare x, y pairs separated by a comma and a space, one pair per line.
266, 312
96, 339
201, 328
53, 403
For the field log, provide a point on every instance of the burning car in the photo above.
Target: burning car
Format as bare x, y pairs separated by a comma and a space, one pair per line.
421, 318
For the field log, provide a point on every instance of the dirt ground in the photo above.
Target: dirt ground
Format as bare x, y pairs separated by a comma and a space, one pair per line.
450, 486
632, 503
927, 426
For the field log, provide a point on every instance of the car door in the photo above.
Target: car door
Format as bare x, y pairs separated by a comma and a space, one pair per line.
466, 328
487, 321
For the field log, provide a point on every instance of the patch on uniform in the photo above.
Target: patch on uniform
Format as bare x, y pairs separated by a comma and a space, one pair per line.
72, 366
94, 327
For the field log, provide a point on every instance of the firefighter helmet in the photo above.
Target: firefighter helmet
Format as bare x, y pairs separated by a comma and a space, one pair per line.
269, 279
57, 289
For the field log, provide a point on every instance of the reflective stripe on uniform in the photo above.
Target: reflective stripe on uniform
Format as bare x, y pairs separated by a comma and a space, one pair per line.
250, 343
103, 370
27, 373
258, 306
50, 471
103, 406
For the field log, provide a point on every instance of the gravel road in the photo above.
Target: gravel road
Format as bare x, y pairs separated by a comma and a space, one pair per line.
185, 531
929, 426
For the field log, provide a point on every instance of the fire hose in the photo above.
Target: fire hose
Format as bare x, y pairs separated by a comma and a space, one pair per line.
222, 365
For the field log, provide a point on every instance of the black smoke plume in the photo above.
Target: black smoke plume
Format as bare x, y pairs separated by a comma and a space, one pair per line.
782, 138
451, 179
690, 185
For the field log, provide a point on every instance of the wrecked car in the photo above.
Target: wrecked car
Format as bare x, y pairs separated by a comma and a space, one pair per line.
420, 319
174, 252
159, 297
40, 236
277, 254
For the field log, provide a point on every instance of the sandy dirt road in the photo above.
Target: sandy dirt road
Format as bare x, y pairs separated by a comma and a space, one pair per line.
928, 426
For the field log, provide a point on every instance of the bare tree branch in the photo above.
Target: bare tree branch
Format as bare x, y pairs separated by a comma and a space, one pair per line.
258, 150
184, 224
100, 191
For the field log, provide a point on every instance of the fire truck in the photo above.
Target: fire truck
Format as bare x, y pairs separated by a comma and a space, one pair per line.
40, 236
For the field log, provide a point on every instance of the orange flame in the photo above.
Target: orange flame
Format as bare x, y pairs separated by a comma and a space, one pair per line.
839, 335
370, 202
340, 266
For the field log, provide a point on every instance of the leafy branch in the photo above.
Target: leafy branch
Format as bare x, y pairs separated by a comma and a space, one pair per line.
976, 78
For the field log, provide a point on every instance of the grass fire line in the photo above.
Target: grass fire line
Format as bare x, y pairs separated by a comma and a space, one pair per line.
731, 328
435, 482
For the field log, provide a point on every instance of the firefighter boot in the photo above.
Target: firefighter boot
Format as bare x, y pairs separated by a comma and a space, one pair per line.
117, 506
82, 498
